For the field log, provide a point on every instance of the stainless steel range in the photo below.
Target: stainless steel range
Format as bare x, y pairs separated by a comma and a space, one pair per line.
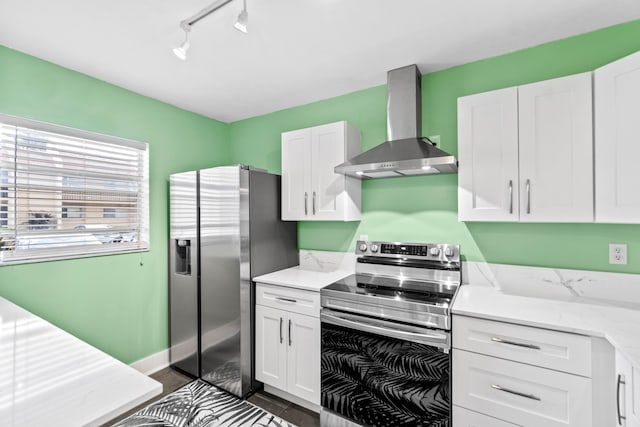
386, 337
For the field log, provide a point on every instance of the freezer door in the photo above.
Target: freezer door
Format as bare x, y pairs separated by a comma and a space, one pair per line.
183, 272
221, 236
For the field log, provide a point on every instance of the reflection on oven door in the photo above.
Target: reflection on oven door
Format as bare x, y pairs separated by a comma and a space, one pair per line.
379, 381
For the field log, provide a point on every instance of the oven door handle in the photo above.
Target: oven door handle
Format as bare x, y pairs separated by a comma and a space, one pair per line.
428, 337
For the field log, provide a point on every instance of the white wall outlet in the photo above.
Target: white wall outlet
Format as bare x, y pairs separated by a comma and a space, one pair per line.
364, 237
617, 253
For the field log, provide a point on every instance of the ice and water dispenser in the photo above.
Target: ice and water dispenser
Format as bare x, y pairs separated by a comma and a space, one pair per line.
182, 262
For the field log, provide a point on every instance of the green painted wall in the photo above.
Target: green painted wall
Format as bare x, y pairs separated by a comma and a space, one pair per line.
425, 208
117, 303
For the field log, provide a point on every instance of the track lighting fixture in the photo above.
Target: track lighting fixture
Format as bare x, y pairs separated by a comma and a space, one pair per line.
243, 19
240, 24
181, 52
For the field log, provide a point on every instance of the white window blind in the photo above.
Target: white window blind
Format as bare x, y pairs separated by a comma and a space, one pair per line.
67, 193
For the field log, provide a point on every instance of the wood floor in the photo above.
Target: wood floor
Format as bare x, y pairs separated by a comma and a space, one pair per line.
172, 380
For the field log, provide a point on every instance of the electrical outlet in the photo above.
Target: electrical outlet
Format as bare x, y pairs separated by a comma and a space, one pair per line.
617, 253
364, 238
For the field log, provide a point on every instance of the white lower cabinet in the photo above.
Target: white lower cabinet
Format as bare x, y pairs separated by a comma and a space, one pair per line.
288, 343
513, 375
465, 418
627, 393
520, 393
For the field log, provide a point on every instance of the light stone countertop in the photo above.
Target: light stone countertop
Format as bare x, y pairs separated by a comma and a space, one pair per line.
317, 269
590, 303
48, 377
301, 278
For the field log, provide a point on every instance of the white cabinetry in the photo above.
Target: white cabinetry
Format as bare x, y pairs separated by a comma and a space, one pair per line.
488, 156
526, 153
288, 340
523, 376
311, 190
617, 103
627, 393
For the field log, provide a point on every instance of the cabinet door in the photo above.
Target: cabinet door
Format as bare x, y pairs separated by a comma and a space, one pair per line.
627, 393
556, 150
304, 357
488, 156
327, 187
617, 102
296, 175
271, 346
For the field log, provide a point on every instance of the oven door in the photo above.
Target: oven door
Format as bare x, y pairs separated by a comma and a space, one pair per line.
381, 373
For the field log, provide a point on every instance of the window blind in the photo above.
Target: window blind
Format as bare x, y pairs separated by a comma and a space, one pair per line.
66, 193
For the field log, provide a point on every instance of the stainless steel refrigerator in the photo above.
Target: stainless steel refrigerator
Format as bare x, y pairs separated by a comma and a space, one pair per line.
225, 228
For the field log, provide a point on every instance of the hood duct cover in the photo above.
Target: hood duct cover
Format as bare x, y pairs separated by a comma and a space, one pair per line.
406, 153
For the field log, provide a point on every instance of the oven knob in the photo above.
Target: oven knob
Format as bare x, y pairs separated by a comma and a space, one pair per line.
363, 247
374, 248
448, 252
434, 251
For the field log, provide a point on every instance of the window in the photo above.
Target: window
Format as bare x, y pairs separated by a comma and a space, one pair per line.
72, 212
67, 193
114, 213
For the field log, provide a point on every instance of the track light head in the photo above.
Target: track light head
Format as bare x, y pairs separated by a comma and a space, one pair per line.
242, 21
181, 52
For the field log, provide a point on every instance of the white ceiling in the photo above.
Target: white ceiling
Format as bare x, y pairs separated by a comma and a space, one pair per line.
296, 51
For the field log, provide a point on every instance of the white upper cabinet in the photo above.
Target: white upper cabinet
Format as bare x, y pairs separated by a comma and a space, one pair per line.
526, 153
311, 190
556, 150
617, 130
488, 156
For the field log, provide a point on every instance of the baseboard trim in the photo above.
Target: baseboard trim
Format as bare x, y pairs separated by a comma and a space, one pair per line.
153, 363
291, 398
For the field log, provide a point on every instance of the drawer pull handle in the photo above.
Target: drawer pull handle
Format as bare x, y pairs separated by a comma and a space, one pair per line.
287, 299
517, 344
517, 393
620, 382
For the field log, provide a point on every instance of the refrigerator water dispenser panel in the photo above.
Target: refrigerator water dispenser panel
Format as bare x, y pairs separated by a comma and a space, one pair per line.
183, 257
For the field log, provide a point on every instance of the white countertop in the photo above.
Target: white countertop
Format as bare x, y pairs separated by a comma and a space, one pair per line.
51, 378
302, 278
563, 300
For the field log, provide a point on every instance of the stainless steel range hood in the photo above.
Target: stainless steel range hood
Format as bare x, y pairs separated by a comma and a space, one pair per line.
406, 153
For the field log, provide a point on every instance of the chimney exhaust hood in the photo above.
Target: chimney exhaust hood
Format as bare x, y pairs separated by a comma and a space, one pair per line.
406, 153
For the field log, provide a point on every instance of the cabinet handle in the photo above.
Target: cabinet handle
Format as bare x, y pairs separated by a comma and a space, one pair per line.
286, 299
314, 202
510, 196
305, 203
517, 344
289, 332
517, 393
281, 330
620, 416
528, 196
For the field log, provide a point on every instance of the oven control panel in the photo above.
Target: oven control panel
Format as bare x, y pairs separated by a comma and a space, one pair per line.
432, 251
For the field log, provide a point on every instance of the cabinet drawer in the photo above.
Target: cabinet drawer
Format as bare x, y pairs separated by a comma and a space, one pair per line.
540, 347
289, 299
465, 418
519, 393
